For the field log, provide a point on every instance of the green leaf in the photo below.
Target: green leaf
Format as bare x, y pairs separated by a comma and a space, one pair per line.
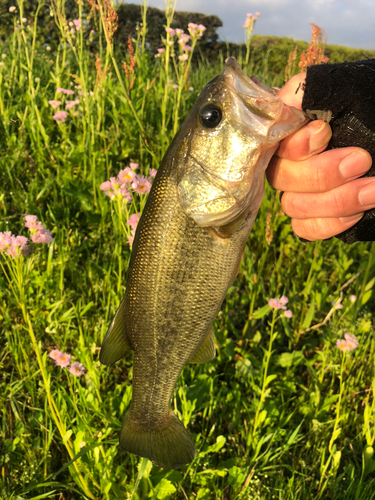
244, 368
309, 315
288, 359
259, 313
67, 435
163, 490
336, 459
269, 379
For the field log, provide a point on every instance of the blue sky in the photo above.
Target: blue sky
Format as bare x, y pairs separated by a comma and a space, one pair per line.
346, 22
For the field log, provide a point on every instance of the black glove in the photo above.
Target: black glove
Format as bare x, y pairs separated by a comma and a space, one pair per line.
344, 96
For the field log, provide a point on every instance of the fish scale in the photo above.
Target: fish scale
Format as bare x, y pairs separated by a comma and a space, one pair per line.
187, 251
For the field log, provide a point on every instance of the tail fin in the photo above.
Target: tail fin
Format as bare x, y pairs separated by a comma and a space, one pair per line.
169, 446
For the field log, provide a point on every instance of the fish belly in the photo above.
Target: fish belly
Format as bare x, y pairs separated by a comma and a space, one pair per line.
178, 277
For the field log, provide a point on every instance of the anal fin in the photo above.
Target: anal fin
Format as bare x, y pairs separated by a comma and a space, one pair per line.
206, 351
116, 343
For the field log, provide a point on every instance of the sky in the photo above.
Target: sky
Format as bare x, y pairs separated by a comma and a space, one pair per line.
346, 22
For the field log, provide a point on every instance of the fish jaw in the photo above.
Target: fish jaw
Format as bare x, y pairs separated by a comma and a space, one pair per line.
228, 162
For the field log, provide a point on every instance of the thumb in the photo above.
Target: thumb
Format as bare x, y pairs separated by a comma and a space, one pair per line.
292, 92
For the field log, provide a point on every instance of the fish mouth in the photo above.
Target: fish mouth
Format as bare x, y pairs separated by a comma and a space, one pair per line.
258, 99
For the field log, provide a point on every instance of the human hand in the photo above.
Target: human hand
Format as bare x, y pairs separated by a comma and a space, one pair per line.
322, 192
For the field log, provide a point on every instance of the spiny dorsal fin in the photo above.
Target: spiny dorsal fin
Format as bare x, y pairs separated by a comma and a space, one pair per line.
206, 352
115, 344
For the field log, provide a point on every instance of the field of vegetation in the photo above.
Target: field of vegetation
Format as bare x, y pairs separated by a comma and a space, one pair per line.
285, 411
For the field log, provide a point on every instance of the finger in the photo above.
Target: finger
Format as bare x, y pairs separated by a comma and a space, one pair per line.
323, 228
319, 173
349, 199
292, 92
309, 140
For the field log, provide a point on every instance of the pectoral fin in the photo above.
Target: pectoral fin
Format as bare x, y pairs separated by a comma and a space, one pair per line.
206, 351
116, 343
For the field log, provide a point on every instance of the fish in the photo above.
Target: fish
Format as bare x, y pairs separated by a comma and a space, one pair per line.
187, 251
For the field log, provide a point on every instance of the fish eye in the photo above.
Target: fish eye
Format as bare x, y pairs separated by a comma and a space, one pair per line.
210, 116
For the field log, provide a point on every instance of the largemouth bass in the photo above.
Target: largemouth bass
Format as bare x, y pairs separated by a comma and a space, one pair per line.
187, 251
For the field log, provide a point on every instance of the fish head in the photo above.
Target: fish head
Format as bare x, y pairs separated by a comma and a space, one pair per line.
233, 129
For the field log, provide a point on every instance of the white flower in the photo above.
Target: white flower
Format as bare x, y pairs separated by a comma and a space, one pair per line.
12, 9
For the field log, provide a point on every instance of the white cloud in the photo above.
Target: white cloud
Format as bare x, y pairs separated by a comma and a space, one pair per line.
345, 22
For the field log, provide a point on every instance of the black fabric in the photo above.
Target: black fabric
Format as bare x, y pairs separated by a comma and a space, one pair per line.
348, 91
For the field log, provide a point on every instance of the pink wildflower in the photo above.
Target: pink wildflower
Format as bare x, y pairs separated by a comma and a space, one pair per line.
170, 31
160, 51
65, 91
42, 236
133, 166
55, 354
126, 175
341, 344
18, 246
77, 24
60, 116
288, 313
133, 220
278, 303
71, 104
54, 104
153, 173
184, 39
179, 31
63, 360
5, 240
116, 183
141, 185
349, 344
175, 86
131, 238
77, 369
351, 341
31, 222
192, 26
337, 305
187, 48
273, 303
106, 186
183, 57
39, 234
124, 192
353, 298
283, 300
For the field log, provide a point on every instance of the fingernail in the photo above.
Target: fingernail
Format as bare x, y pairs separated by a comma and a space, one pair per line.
281, 195
351, 219
321, 134
354, 165
367, 195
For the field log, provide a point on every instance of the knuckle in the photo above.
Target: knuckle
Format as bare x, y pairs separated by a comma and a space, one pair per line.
321, 179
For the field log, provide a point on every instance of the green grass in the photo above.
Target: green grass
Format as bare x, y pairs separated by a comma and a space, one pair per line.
289, 420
